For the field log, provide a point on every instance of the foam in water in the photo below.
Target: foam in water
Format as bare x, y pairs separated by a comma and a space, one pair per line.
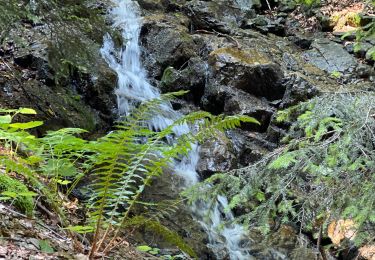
244, 4
133, 87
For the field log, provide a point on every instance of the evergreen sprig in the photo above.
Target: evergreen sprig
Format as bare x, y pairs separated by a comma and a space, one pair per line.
324, 171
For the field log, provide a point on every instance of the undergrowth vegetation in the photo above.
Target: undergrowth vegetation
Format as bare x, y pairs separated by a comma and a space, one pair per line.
119, 165
324, 172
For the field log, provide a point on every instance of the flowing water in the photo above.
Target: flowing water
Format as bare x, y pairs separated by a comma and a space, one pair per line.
133, 87
245, 4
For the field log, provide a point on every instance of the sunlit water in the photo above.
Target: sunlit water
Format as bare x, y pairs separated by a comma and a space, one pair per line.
133, 87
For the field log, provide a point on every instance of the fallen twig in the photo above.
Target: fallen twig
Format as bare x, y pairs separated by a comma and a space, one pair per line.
219, 34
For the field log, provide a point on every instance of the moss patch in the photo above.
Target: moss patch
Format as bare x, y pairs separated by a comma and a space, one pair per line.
23, 203
345, 20
243, 56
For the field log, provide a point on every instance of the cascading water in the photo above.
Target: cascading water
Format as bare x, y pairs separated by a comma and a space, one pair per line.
133, 87
245, 4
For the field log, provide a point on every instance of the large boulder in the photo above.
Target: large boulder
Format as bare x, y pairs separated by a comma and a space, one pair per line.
193, 78
216, 156
219, 99
219, 15
167, 43
330, 57
80, 100
248, 70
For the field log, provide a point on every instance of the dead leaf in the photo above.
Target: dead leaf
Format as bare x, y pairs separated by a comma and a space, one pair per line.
341, 229
3, 250
81, 257
367, 252
71, 206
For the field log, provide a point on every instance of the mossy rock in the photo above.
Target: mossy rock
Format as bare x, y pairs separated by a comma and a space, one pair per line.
23, 203
242, 56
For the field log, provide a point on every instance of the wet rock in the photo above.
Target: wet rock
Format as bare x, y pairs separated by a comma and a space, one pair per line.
215, 156
298, 89
285, 243
166, 45
247, 70
330, 56
220, 15
193, 78
165, 191
38, 64
151, 4
219, 99
98, 91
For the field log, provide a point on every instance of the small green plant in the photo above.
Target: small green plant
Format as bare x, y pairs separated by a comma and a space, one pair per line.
308, 3
363, 33
15, 191
336, 74
125, 165
150, 250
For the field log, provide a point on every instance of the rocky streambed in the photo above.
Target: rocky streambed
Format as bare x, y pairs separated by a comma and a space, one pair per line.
234, 57
233, 65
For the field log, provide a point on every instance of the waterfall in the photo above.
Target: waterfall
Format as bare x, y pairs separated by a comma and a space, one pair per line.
245, 4
134, 87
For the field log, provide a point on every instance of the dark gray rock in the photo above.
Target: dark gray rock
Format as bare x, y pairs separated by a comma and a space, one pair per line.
37, 64
151, 4
219, 99
364, 71
330, 56
249, 147
220, 15
166, 44
298, 90
301, 40
216, 156
193, 78
247, 70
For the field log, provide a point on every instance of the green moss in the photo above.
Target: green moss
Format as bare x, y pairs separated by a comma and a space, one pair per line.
23, 203
309, 3
167, 75
244, 56
353, 19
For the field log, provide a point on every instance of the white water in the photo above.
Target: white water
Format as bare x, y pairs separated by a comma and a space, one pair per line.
244, 4
133, 87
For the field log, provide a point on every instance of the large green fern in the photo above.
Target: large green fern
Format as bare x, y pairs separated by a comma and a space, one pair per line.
120, 164
130, 157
